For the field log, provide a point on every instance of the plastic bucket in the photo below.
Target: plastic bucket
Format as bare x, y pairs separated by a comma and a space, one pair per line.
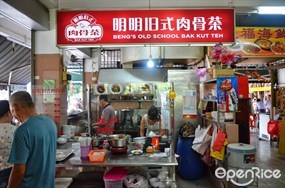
190, 166
241, 155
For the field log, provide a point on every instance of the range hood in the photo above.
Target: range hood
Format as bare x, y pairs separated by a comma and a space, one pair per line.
171, 54
132, 75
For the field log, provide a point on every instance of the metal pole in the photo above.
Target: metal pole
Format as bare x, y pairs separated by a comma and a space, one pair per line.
172, 96
88, 90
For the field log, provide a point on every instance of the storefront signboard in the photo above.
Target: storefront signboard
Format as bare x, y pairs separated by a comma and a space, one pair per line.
132, 27
259, 41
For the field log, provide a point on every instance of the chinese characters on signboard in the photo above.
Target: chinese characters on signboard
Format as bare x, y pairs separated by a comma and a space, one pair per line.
51, 102
145, 26
259, 41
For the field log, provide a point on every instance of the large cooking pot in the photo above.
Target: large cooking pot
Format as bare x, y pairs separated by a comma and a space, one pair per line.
117, 140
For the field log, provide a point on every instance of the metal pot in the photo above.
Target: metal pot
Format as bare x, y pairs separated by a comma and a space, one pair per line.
98, 140
118, 115
117, 140
126, 117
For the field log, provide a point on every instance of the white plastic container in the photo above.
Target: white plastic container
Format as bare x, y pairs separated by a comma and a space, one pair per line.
139, 142
281, 77
241, 155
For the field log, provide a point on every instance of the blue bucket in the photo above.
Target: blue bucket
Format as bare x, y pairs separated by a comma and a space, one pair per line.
190, 166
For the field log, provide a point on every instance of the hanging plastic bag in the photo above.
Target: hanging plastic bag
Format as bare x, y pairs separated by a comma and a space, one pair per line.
202, 139
207, 159
273, 127
220, 155
214, 135
200, 134
219, 141
203, 146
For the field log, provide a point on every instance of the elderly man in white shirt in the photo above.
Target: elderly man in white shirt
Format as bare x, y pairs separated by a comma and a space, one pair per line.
260, 107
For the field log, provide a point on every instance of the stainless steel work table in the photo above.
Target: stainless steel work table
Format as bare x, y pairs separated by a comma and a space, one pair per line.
121, 160
125, 160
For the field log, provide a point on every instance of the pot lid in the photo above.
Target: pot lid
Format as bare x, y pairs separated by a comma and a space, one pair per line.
127, 110
241, 148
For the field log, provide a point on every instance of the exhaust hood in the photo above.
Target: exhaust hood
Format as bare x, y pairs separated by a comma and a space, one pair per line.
132, 75
180, 54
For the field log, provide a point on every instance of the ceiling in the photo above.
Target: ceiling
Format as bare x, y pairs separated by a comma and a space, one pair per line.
19, 18
241, 6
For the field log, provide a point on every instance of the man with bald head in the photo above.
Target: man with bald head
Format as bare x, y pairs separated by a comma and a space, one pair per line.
33, 152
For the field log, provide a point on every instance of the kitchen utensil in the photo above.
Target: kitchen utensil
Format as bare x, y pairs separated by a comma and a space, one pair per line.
61, 140
118, 116
136, 152
98, 140
117, 140
68, 130
64, 136
126, 117
139, 142
119, 150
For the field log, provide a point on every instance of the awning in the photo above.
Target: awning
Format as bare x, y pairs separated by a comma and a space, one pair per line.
15, 60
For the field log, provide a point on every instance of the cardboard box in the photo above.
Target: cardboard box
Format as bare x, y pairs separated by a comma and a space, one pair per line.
232, 133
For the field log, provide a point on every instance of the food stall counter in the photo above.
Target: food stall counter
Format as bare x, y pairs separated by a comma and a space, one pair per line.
128, 159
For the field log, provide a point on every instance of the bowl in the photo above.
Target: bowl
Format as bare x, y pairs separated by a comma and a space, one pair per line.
61, 140
117, 140
64, 136
154, 182
139, 139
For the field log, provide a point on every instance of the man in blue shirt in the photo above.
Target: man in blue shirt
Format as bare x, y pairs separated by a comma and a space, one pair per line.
33, 152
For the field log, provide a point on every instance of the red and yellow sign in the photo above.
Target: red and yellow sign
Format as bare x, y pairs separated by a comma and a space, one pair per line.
259, 41
145, 26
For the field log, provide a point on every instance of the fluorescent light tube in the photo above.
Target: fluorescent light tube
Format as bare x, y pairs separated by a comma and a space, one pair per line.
271, 10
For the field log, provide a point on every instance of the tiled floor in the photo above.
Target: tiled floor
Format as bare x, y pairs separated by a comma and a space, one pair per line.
267, 157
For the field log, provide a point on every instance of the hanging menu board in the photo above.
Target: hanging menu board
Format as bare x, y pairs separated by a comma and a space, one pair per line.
51, 102
259, 41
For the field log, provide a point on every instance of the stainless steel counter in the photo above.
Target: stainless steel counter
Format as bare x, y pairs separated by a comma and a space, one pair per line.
118, 160
127, 160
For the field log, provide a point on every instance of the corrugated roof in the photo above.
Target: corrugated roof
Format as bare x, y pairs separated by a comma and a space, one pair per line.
15, 58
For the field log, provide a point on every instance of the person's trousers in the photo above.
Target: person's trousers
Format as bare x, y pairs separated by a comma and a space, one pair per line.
4, 177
